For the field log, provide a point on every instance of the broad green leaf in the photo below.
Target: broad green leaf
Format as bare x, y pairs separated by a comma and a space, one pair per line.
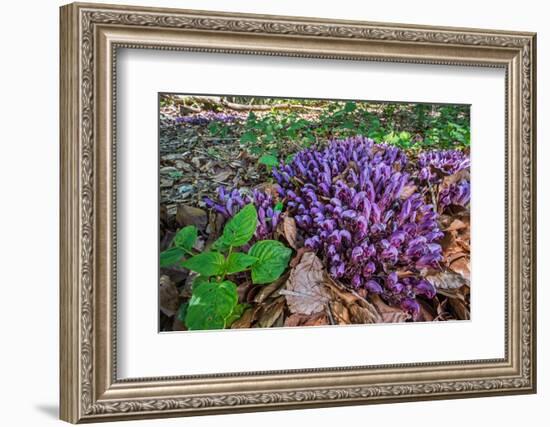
199, 280
269, 160
206, 264
211, 305
186, 237
273, 259
182, 312
240, 229
248, 137
236, 314
171, 256
237, 262
220, 245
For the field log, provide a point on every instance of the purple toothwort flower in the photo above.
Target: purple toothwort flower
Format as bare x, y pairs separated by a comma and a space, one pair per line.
444, 162
436, 164
457, 194
350, 208
229, 202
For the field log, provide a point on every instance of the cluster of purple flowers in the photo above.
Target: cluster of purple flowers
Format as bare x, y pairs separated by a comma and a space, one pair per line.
347, 202
206, 117
232, 201
436, 164
446, 162
457, 194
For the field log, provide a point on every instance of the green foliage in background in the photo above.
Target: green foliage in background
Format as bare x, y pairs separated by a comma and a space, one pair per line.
273, 136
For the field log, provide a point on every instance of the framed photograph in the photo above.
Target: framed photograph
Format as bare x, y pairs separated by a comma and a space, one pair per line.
268, 212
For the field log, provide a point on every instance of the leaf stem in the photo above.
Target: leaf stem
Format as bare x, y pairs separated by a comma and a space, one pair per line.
188, 251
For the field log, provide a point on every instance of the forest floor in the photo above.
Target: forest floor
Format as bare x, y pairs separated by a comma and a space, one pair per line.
194, 164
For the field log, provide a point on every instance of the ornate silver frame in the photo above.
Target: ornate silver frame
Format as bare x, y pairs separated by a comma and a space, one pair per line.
90, 36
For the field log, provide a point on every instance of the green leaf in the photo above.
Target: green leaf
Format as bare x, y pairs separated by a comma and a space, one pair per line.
171, 256
278, 207
348, 124
404, 136
175, 174
182, 312
211, 305
237, 262
289, 158
273, 259
236, 314
186, 237
269, 160
220, 245
350, 107
206, 264
240, 229
248, 137
199, 280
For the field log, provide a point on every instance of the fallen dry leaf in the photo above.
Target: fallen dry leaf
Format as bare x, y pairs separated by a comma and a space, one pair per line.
290, 233
246, 320
189, 215
456, 225
461, 265
297, 319
298, 257
387, 313
452, 179
214, 228
320, 319
168, 296
426, 312
360, 315
340, 313
445, 280
459, 307
339, 292
178, 325
305, 292
269, 188
221, 176
271, 313
268, 290
361, 310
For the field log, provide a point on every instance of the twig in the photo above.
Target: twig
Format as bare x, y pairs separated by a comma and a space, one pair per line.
219, 101
329, 314
432, 194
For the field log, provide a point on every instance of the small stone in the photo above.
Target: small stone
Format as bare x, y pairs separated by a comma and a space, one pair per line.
189, 215
167, 169
166, 183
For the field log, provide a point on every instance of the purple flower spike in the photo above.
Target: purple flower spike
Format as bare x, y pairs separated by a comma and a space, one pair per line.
373, 287
412, 306
231, 202
361, 225
423, 287
357, 254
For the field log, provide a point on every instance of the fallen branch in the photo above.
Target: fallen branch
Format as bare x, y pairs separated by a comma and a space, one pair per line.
216, 101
